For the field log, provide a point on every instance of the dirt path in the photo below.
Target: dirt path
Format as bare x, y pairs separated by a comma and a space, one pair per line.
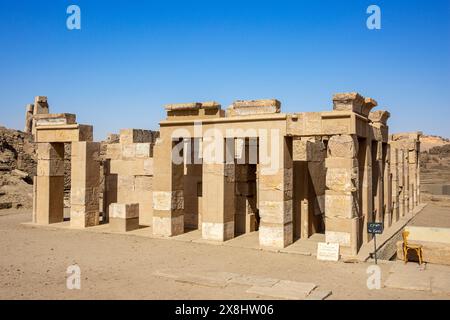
33, 263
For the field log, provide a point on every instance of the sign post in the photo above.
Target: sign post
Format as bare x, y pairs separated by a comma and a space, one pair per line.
375, 228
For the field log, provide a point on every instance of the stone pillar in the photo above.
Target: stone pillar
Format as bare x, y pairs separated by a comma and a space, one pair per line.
342, 224
394, 169
85, 184
49, 184
401, 182
387, 186
275, 190
366, 187
412, 167
378, 187
418, 171
168, 198
40, 107
218, 192
124, 217
407, 186
29, 118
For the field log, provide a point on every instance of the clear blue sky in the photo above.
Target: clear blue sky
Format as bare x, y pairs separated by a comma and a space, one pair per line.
132, 57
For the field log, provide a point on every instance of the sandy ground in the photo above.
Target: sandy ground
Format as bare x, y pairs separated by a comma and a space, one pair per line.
34, 260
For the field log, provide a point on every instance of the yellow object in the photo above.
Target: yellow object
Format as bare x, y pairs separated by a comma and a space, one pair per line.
406, 247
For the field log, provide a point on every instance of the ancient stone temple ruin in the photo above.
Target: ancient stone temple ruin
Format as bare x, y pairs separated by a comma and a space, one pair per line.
249, 168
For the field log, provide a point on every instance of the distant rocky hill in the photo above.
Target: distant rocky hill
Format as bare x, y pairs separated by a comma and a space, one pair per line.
428, 141
17, 167
435, 169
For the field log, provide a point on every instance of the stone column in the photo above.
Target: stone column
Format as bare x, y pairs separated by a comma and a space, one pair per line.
401, 182
407, 186
366, 187
394, 169
85, 184
29, 118
40, 107
413, 178
275, 192
387, 186
168, 198
218, 191
342, 224
378, 187
49, 184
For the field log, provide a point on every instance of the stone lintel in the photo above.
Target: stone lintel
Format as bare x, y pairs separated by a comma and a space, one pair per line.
253, 107
52, 119
64, 133
183, 106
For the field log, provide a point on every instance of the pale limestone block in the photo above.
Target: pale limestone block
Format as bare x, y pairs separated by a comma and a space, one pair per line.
54, 167
82, 217
312, 122
162, 200
130, 136
340, 204
50, 151
114, 151
278, 236
143, 183
54, 119
309, 149
168, 200
275, 211
343, 238
124, 211
129, 150
168, 226
148, 167
342, 179
343, 146
253, 107
352, 101
218, 231
143, 150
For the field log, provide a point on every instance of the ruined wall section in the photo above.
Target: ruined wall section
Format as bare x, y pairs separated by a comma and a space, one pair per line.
128, 172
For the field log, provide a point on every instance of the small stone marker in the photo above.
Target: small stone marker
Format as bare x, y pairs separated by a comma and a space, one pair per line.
328, 251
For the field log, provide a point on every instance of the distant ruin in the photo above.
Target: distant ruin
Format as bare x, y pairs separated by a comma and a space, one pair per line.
230, 172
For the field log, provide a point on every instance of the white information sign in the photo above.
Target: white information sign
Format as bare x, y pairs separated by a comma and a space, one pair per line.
328, 251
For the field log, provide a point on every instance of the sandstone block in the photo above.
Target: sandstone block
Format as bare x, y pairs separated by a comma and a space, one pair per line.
123, 225
54, 119
275, 236
124, 211
129, 136
54, 167
143, 150
49, 199
114, 151
344, 146
342, 179
143, 183
340, 204
50, 151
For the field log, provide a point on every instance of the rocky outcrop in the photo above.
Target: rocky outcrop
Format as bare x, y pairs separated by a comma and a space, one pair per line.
17, 167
